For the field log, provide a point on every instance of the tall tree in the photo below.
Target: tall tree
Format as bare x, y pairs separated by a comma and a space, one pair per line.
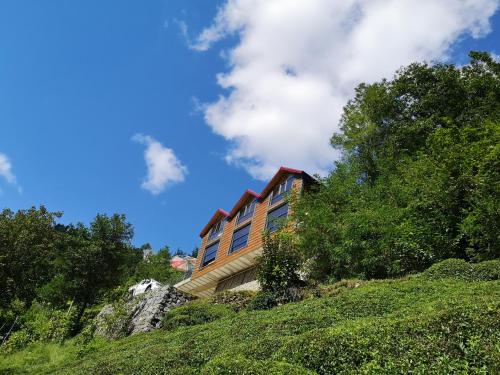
419, 180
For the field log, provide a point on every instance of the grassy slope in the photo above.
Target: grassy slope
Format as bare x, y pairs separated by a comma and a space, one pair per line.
392, 326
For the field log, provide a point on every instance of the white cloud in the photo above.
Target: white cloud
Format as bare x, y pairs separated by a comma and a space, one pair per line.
297, 62
6, 169
163, 166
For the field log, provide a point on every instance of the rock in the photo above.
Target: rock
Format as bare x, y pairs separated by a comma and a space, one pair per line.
141, 311
144, 286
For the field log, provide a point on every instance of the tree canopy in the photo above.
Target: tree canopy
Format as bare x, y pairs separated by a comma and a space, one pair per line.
419, 180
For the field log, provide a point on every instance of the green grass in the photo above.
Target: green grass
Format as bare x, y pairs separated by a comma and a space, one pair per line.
415, 325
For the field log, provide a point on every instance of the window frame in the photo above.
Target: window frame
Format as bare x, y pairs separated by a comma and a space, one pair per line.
241, 218
275, 198
212, 236
202, 263
231, 250
274, 209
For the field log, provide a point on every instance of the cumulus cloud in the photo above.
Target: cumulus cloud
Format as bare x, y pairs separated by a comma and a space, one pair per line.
6, 172
296, 64
163, 166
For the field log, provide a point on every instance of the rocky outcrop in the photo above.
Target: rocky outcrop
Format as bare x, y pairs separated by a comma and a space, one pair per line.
140, 311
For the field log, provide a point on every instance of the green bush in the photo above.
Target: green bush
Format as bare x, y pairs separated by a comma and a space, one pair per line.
278, 270
454, 339
42, 323
262, 301
194, 313
237, 300
243, 366
461, 270
411, 325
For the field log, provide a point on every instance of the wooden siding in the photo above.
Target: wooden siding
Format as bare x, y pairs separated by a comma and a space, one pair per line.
258, 224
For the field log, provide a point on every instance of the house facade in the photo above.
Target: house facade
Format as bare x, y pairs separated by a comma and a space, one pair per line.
232, 240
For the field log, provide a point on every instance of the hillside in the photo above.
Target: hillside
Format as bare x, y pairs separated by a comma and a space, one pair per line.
419, 324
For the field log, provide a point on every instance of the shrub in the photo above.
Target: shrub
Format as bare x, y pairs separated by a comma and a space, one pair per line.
243, 366
450, 339
263, 301
193, 313
339, 287
44, 324
461, 270
278, 267
411, 325
237, 300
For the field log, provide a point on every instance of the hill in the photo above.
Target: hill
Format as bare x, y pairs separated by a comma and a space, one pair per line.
445, 320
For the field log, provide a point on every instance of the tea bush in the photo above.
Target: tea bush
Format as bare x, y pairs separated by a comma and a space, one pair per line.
416, 324
196, 312
461, 270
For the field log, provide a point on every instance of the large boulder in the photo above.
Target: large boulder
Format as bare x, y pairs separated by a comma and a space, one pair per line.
140, 311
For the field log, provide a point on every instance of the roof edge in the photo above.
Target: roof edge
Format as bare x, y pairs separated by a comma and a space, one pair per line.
267, 189
218, 212
248, 193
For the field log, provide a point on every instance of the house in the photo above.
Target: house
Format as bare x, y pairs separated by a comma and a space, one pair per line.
232, 240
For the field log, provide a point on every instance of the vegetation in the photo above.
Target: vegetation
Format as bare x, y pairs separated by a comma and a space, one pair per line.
420, 177
416, 324
54, 277
157, 266
277, 271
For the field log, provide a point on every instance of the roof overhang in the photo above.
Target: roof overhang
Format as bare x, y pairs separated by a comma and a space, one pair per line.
277, 177
204, 285
241, 202
218, 214
249, 193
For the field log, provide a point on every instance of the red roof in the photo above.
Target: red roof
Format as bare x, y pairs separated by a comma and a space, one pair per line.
249, 193
220, 212
241, 202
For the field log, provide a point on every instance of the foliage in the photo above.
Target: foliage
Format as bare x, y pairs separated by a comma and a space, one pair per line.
195, 312
29, 244
44, 324
236, 300
241, 365
157, 266
415, 324
263, 301
420, 178
461, 270
277, 269
45, 267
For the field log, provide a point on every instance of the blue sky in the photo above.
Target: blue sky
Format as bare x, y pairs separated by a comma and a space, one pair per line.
78, 80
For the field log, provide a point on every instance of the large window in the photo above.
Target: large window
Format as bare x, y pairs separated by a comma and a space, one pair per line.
210, 253
246, 212
240, 238
280, 190
216, 230
275, 217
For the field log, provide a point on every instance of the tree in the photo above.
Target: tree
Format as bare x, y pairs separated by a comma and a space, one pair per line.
157, 266
29, 243
278, 266
419, 179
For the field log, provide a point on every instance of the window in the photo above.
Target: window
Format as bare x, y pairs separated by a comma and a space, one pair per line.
240, 238
275, 217
246, 212
280, 190
216, 230
210, 253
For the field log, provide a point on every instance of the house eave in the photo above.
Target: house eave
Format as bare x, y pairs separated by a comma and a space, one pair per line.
205, 284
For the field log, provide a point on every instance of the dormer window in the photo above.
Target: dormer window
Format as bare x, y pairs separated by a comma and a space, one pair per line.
216, 230
279, 191
246, 212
